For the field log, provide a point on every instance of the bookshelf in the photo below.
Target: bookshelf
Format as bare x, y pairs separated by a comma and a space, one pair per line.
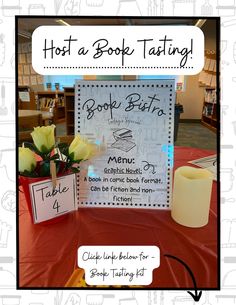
69, 97
51, 101
207, 79
209, 111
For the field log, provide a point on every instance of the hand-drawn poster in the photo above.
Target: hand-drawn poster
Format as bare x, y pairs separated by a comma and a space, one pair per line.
135, 120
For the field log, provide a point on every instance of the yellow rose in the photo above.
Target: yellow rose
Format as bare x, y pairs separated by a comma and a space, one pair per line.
44, 138
93, 150
79, 149
27, 160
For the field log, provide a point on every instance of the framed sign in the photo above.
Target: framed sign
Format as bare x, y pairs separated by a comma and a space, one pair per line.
135, 120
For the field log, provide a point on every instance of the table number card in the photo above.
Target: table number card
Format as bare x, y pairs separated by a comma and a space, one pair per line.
135, 120
48, 202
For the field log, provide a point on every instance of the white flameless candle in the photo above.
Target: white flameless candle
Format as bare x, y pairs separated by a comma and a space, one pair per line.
191, 196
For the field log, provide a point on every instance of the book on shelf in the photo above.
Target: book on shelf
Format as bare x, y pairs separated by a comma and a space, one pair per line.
212, 65
210, 95
208, 110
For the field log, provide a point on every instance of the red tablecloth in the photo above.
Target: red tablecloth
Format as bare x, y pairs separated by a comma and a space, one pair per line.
47, 253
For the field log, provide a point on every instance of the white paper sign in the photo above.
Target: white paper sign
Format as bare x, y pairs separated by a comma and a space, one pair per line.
135, 119
48, 203
210, 163
24, 96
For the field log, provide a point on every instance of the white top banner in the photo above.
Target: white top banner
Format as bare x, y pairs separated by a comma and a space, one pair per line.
144, 50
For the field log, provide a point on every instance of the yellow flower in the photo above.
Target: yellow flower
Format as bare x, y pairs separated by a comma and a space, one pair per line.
93, 150
80, 149
27, 160
44, 138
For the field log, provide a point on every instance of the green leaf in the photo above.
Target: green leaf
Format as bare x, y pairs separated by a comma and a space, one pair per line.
29, 174
65, 152
32, 147
45, 150
78, 161
64, 148
71, 156
74, 169
44, 170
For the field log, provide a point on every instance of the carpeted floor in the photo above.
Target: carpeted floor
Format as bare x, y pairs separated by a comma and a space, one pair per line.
196, 135
189, 134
